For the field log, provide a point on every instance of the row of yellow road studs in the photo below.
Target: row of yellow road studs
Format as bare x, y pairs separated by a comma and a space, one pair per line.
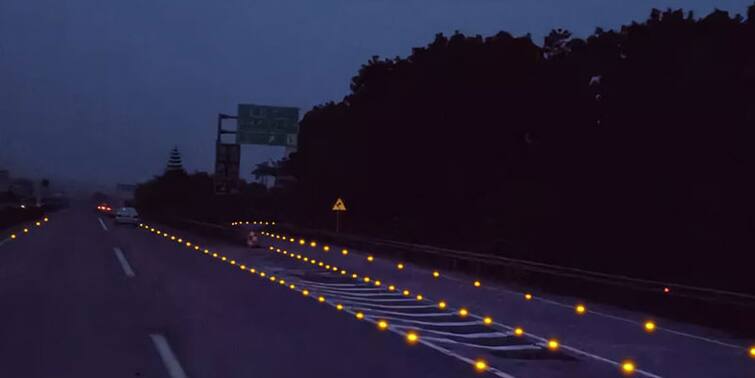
260, 223
580, 308
627, 366
649, 325
412, 336
28, 228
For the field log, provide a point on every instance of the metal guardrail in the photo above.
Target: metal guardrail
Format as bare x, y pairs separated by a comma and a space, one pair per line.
481, 262
691, 291
488, 260
717, 308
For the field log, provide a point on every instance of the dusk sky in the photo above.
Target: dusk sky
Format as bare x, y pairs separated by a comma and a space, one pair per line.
101, 90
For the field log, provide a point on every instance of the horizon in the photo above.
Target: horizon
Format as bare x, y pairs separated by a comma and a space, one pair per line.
117, 100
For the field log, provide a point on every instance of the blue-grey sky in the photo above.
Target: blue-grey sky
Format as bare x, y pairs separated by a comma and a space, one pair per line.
101, 90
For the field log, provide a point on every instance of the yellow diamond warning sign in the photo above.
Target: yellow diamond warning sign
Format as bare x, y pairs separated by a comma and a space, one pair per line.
339, 205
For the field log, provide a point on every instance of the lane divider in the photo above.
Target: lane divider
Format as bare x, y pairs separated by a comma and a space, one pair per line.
370, 258
626, 366
167, 356
412, 337
102, 223
124, 263
552, 344
579, 308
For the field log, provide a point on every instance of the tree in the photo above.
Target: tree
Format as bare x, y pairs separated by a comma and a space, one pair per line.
500, 136
264, 170
175, 164
479, 143
556, 43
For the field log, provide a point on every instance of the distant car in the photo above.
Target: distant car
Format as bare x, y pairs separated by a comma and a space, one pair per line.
126, 215
253, 239
104, 208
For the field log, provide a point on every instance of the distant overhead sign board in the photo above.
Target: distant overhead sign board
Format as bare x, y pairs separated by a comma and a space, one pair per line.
227, 160
268, 125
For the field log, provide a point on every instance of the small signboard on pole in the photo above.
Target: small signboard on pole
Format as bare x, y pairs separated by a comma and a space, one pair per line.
339, 207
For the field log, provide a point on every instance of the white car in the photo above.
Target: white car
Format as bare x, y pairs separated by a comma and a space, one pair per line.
126, 215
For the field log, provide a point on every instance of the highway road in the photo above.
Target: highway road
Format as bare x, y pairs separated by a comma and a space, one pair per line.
83, 297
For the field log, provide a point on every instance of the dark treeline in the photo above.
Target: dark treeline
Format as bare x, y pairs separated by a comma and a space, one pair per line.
629, 151
180, 195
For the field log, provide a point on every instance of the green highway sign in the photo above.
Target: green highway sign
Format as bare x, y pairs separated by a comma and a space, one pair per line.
266, 139
268, 125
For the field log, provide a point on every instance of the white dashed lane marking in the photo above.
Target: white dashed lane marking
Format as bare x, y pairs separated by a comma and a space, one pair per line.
124, 263
461, 335
167, 356
104, 227
410, 314
369, 304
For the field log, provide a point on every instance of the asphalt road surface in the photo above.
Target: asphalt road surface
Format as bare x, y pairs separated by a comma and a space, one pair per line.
83, 297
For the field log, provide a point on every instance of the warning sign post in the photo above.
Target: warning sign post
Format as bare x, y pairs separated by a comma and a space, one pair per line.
338, 208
